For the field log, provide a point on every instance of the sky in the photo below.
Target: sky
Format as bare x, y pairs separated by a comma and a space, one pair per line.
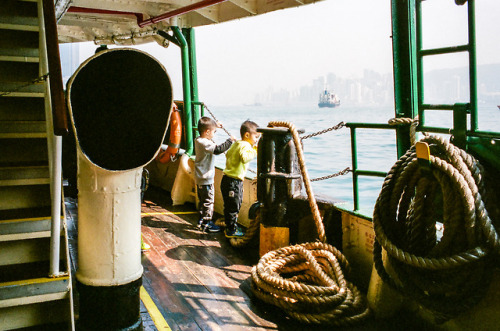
290, 48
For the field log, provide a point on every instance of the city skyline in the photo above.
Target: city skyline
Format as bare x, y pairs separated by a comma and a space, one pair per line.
376, 89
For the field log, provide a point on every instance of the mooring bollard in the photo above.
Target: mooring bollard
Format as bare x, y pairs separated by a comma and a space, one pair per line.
277, 184
120, 101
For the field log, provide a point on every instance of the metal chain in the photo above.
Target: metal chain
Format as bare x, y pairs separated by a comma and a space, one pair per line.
33, 82
223, 128
335, 127
340, 173
215, 119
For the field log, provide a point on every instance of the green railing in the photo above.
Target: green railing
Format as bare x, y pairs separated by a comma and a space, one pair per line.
409, 92
354, 158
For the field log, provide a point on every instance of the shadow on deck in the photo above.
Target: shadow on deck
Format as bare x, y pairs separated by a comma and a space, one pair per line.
199, 281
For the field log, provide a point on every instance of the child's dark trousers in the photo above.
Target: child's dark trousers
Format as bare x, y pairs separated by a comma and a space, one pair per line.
232, 193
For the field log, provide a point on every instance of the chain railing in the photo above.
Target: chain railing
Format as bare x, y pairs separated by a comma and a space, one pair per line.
340, 173
222, 127
215, 119
335, 127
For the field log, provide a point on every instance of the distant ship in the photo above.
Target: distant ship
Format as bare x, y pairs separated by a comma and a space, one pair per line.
328, 99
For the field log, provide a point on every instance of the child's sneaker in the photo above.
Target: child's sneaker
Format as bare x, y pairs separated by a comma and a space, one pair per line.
145, 247
200, 224
211, 227
236, 233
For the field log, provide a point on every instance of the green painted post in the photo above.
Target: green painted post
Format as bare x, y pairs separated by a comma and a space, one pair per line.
405, 67
460, 125
186, 89
471, 13
420, 65
354, 157
190, 37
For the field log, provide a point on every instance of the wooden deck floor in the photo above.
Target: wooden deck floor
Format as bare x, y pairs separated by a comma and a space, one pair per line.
199, 281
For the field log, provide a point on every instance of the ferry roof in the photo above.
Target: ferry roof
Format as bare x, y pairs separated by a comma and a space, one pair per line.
103, 21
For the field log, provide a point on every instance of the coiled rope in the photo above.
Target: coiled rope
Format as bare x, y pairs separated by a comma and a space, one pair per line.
446, 274
250, 233
306, 280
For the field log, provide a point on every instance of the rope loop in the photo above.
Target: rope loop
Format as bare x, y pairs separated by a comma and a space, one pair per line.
444, 271
306, 280
413, 122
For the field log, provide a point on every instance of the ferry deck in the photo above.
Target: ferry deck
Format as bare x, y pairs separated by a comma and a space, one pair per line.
197, 280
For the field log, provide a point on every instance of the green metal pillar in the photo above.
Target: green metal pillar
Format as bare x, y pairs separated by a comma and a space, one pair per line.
405, 66
186, 89
193, 71
471, 16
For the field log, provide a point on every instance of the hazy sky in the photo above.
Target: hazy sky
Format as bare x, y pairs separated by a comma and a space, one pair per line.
290, 48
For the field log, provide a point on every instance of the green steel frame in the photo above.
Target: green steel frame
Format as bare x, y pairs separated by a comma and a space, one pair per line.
191, 113
186, 89
408, 56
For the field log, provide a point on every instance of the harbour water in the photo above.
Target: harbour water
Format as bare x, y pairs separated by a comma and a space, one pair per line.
331, 152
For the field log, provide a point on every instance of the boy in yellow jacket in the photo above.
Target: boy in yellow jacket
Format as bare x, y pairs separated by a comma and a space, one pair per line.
237, 159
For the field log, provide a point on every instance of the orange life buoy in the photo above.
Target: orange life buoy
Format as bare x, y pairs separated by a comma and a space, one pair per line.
175, 137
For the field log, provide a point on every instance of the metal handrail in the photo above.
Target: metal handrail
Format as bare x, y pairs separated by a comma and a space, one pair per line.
59, 115
55, 141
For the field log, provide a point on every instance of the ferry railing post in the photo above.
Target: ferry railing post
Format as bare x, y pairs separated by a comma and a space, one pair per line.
120, 120
278, 182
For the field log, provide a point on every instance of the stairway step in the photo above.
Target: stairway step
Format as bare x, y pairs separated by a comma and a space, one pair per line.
33, 290
17, 15
24, 175
13, 58
25, 228
19, 43
46, 312
26, 196
23, 129
24, 271
15, 152
22, 109
18, 72
25, 213
28, 250
36, 90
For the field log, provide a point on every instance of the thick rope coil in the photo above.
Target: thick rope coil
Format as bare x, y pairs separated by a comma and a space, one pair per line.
252, 230
306, 280
446, 274
413, 122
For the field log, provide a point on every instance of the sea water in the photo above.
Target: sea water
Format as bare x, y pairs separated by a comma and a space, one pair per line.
331, 152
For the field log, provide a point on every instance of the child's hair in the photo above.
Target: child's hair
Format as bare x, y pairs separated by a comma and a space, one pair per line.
248, 126
206, 123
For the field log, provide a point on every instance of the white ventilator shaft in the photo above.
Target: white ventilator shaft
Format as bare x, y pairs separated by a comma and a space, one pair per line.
109, 224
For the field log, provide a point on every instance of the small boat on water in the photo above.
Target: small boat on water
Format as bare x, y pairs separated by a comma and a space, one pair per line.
328, 99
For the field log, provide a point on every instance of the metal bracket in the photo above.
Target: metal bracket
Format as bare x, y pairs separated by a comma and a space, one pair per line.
460, 111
